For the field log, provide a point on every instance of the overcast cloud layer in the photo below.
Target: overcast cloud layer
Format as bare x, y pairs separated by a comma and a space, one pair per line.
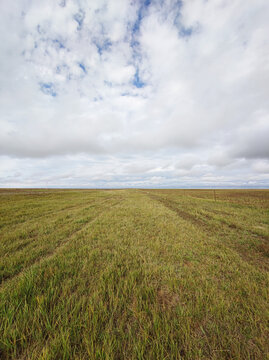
134, 93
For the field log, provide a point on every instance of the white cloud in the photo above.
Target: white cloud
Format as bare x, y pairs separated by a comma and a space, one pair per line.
160, 92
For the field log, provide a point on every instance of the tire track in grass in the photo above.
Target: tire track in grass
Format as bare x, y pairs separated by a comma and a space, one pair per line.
173, 205
260, 260
56, 250
24, 251
47, 214
20, 245
49, 208
41, 258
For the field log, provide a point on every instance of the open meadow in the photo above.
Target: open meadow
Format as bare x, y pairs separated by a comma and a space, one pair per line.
134, 274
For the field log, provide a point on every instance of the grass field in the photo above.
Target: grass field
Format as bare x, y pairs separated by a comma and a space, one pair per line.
134, 274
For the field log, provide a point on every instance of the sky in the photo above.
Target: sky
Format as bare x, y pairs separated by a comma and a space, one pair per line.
149, 93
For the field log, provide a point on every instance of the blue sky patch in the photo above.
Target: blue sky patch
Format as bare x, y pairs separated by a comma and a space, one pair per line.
186, 32
83, 68
104, 46
144, 5
137, 82
79, 18
48, 89
40, 30
58, 44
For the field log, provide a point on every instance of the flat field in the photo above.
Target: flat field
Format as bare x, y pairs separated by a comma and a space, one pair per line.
134, 274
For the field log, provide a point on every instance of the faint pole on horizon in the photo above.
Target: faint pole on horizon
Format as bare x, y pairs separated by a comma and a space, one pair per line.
215, 195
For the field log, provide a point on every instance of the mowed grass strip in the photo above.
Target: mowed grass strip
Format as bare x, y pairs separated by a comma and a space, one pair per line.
138, 281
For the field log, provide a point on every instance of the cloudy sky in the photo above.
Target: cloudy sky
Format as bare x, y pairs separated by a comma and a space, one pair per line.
120, 93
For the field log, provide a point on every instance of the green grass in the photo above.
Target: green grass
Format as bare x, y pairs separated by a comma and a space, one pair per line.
134, 274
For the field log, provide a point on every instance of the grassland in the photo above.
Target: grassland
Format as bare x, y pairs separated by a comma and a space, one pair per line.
134, 274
